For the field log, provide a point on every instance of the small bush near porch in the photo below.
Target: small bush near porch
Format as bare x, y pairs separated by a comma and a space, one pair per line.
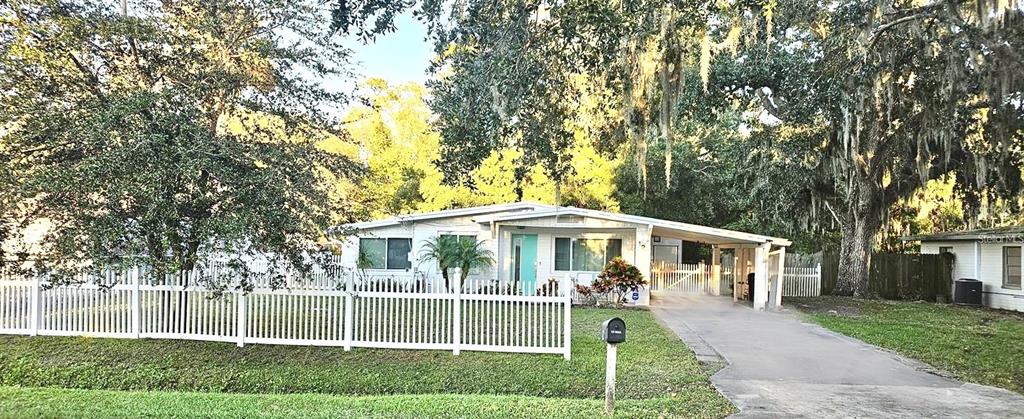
979, 345
658, 375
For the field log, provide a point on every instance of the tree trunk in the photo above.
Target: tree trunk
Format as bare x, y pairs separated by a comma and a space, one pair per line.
863, 222
463, 275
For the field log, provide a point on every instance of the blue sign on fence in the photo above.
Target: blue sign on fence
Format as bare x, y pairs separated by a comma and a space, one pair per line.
636, 295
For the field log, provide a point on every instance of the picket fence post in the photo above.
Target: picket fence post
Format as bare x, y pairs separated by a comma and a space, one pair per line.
36, 290
136, 279
817, 277
567, 333
241, 317
349, 309
701, 278
457, 315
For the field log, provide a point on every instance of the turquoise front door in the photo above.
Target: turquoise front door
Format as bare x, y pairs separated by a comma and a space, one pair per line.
524, 262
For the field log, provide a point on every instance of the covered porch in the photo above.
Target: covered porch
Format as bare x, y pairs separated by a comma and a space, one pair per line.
741, 264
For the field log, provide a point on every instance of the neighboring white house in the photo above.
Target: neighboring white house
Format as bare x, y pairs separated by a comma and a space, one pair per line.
535, 242
992, 256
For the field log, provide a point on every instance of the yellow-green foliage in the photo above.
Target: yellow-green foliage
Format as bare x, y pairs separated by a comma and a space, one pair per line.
400, 148
590, 183
495, 179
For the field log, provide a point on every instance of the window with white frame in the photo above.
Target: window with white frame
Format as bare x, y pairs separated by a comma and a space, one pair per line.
1011, 266
585, 254
468, 238
389, 253
945, 249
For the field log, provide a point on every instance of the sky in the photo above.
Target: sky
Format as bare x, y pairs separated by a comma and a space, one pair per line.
398, 57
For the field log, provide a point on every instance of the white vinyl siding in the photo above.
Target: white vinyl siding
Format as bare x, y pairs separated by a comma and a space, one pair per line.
985, 262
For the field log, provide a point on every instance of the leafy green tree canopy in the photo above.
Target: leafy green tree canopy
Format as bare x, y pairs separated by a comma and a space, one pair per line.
178, 130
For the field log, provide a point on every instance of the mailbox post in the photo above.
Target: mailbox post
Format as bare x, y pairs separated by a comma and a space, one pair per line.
613, 331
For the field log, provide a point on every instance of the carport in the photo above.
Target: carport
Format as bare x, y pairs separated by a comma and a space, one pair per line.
762, 256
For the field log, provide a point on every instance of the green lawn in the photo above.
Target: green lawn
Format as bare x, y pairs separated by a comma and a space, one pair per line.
51, 402
658, 375
976, 344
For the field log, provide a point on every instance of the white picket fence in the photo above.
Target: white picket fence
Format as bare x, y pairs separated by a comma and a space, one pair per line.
347, 310
802, 282
697, 279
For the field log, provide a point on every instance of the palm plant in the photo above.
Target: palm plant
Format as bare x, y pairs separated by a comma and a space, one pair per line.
451, 253
441, 249
363, 263
471, 254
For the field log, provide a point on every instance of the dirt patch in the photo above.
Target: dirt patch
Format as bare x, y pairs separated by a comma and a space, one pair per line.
845, 307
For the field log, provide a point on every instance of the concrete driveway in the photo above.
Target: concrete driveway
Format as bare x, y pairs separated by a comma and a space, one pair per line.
779, 366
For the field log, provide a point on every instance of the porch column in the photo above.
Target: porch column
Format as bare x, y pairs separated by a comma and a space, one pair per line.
496, 236
737, 269
776, 294
716, 270
643, 251
761, 276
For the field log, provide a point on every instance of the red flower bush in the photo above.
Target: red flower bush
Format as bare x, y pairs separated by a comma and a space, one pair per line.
618, 279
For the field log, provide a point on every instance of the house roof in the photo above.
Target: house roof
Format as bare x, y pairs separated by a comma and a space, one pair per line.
969, 235
459, 212
690, 231
530, 210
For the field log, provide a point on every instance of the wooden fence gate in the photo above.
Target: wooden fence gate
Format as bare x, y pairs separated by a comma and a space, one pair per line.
697, 279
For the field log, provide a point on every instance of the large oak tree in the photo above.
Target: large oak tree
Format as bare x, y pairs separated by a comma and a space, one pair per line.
169, 131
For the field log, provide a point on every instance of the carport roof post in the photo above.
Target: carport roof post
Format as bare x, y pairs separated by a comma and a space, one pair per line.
644, 251
761, 276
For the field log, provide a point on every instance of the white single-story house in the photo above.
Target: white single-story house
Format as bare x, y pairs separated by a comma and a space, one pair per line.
992, 256
534, 242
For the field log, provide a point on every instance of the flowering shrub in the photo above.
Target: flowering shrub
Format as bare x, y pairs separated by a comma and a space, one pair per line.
585, 296
618, 279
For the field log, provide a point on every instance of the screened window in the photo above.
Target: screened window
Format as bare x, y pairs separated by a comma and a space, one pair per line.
1011, 266
373, 253
945, 249
398, 253
666, 254
585, 254
562, 253
612, 250
385, 253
